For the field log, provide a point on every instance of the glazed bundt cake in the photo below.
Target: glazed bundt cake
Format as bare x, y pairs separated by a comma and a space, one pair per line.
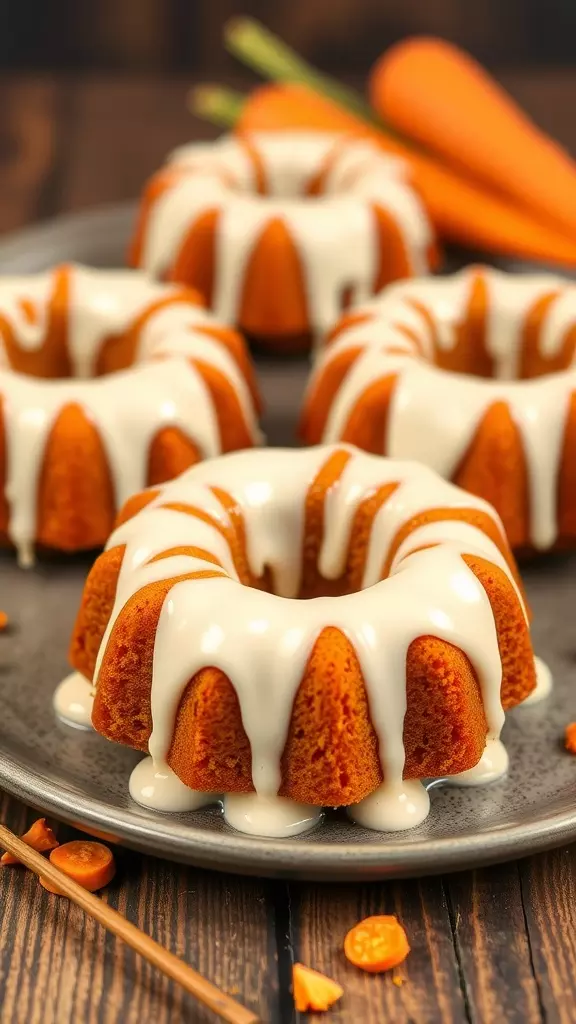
399, 665
281, 231
473, 375
173, 386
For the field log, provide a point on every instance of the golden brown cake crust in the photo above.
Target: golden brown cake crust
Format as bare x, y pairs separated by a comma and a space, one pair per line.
74, 493
497, 459
331, 751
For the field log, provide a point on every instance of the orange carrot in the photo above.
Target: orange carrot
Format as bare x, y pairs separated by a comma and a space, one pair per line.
461, 210
376, 944
90, 864
570, 738
39, 837
438, 95
312, 990
3, 620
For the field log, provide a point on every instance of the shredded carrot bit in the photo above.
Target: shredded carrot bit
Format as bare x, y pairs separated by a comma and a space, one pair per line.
39, 837
3, 620
312, 990
398, 980
106, 837
90, 864
377, 944
570, 738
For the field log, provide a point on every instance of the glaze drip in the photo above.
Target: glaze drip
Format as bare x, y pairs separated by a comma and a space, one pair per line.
166, 387
334, 233
415, 323
262, 641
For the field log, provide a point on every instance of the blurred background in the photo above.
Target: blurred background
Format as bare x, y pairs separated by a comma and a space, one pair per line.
93, 93
342, 35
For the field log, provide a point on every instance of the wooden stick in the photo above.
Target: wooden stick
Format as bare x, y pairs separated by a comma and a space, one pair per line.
226, 1007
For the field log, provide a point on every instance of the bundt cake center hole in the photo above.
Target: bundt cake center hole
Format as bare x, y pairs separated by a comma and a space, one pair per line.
288, 182
512, 353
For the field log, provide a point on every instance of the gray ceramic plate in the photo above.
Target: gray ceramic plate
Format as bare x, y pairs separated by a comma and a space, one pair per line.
80, 777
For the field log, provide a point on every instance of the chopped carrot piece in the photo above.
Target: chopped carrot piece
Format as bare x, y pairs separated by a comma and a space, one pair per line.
3, 621
438, 96
377, 944
39, 837
312, 990
90, 864
570, 738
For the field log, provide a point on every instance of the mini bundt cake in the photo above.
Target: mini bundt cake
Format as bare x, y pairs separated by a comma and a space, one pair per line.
173, 386
399, 665
281, 231
475, 376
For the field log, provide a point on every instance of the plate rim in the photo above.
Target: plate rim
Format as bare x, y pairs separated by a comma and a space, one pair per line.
285, 858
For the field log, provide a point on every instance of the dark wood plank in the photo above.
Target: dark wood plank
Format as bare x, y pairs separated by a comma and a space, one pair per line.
29, 148
548, 96
430, 989
56, 965
549, 898
172, 34
125, 129
493, 948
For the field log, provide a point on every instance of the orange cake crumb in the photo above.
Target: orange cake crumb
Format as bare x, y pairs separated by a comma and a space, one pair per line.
312, 990
377, 944
39, 837
570, 737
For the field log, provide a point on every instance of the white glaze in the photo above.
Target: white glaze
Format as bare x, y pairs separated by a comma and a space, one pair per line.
273, 817
492, 766
434, 415
128, 408
334, 234
544, 684
157, 786
73, 700
393, 807
263, 641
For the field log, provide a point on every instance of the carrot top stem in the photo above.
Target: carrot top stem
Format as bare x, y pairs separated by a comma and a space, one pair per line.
214, 103
249, 41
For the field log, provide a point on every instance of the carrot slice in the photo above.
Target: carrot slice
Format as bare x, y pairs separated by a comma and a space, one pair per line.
39, 837
462, 210
570, 737
3, 620
377, 944
440, 96
90, 864
312, 990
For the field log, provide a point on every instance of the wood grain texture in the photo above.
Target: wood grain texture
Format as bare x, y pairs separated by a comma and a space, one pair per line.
430, 988
57, 965
491, 946
30, 147
114, 146
548, 885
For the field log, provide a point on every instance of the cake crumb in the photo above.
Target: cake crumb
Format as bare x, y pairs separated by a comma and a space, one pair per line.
570, 737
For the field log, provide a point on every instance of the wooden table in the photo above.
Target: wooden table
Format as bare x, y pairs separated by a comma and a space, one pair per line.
487, 946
